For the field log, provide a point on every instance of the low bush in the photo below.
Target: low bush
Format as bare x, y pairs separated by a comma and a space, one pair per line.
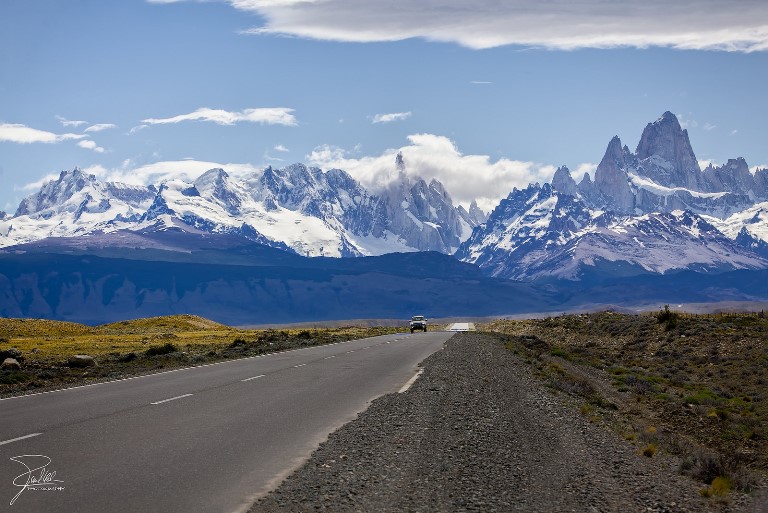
649, 451
668, 318
166, 348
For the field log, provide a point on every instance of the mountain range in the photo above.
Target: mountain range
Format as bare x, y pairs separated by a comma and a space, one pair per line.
298, 208
653, 211
237, 248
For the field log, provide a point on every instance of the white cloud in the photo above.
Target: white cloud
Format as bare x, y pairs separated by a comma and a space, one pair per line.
281, 148
137, 129
389, 118
90, 145
267, 116
734, 132
100, 127
480, 82
709, 126
67, 122
35, 186
555, 24
466, 177
687, 123
705, 163
587, 167
22, 134
158, 172
755, 168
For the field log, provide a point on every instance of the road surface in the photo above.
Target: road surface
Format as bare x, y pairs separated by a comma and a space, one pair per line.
462, 326
203, 439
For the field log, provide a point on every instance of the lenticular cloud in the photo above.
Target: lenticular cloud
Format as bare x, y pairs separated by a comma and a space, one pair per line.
556, 24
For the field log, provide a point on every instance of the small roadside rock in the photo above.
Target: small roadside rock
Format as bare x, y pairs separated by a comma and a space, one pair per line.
10, 364
81, 361
477, 432
10, 353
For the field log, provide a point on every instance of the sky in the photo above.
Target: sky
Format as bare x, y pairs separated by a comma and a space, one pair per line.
484, 95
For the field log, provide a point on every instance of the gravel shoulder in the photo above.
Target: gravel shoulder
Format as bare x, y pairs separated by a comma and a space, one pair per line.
478, 432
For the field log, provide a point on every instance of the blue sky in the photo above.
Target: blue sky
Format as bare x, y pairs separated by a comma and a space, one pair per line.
482, 95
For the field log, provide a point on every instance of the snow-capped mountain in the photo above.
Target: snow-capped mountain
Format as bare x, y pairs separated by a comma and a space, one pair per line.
305, 209
651, 211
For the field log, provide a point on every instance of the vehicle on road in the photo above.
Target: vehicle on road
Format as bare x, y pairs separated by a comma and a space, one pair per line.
418, 322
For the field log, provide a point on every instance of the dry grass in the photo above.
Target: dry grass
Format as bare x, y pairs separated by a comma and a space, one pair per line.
702, 378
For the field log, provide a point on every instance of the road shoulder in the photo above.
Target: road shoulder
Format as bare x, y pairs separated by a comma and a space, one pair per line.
477, 432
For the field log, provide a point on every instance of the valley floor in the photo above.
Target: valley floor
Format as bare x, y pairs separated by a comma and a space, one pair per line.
480, 431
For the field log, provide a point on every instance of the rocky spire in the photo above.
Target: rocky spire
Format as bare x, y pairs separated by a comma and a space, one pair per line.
734, 176
564, 183
476, 214
666, 155
611, 178
400, 162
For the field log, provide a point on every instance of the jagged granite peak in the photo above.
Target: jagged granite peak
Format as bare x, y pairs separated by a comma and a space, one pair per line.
611, 179
733, 176
424, 214
761, 183
159, 206
216, 184
56, 192
587, 189
563, 182
666, 154
476, 214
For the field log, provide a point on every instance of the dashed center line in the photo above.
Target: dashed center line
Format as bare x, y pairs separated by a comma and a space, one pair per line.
19, 438
254, 377
329, 357
300, 365
171, 399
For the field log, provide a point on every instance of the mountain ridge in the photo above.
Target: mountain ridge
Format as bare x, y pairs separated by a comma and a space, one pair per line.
652, 211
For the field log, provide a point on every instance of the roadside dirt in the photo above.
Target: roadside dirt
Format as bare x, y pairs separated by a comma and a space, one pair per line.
478, 431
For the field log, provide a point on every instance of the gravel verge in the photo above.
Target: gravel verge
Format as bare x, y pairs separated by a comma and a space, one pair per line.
477, 432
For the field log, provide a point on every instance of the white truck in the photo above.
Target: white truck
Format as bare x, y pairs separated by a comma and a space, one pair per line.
418, 322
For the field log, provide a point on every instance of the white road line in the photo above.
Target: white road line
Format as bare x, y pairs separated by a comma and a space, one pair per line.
297, 366
171, 399
19, 438
462, 326
255, 377
329, 357
410, 382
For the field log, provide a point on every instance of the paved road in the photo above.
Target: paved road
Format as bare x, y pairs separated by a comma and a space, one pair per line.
462, 326
204, 439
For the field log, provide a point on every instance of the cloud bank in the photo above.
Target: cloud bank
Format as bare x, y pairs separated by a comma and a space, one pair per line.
555, 24
466, 177
158, 172
266, 116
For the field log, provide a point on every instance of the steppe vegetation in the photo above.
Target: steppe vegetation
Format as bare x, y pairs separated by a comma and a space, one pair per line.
693, 388
140, 346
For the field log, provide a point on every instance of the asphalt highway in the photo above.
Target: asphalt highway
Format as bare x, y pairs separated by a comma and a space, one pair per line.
204, 439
